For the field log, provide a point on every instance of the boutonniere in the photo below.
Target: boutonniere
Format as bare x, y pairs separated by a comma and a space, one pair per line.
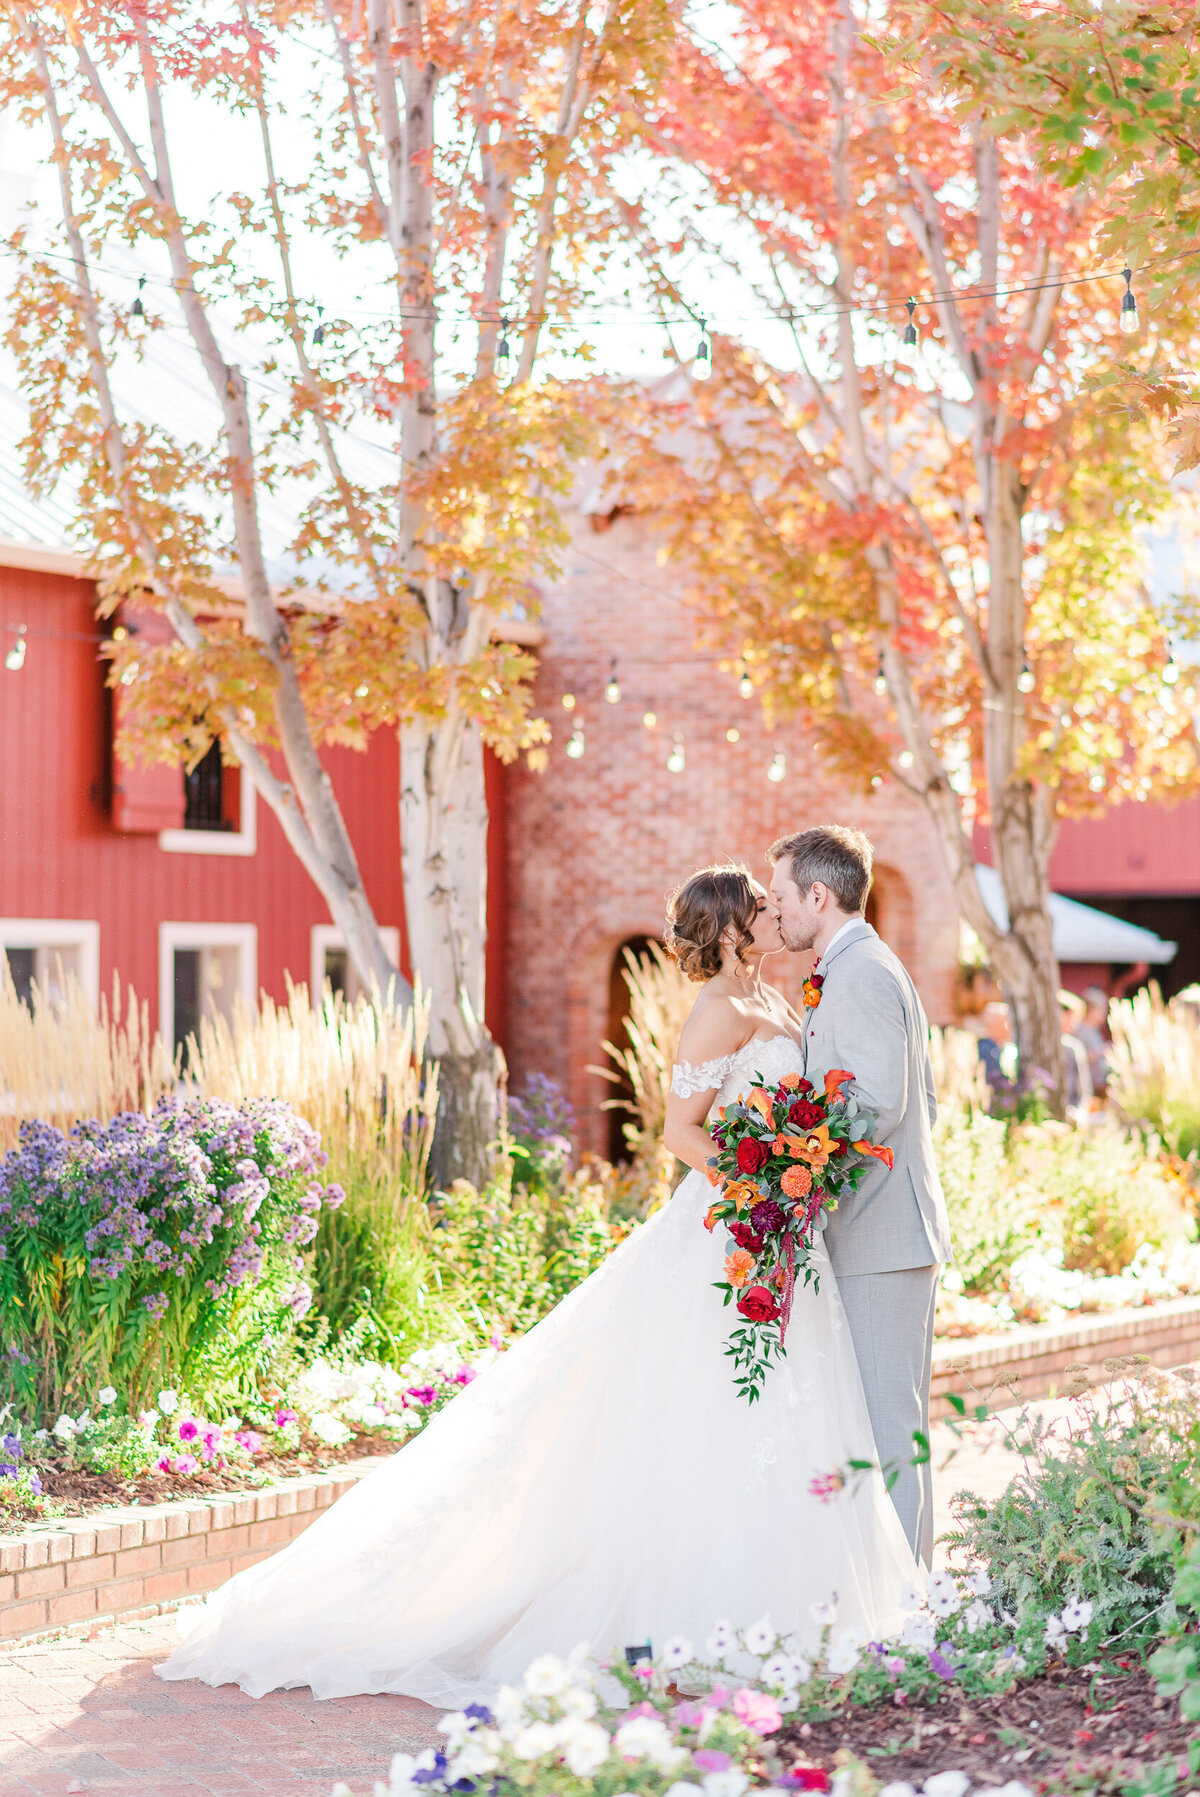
812, 990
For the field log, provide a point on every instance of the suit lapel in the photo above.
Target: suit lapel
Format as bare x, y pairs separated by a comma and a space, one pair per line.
862, 931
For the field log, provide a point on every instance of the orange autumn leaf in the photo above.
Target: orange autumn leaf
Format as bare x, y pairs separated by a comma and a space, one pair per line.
881, 1154
835, 1079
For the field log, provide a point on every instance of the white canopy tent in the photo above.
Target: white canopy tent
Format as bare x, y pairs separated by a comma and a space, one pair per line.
1082, 933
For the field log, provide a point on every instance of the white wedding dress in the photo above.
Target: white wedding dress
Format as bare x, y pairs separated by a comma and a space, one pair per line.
601, 1482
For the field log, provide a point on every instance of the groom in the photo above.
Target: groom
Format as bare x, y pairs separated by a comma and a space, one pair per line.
888, 1241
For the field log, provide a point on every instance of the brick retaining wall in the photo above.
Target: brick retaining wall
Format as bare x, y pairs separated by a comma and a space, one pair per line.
87, 1570
1039, 1353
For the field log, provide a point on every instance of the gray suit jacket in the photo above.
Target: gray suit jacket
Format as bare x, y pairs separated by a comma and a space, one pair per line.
871, 1022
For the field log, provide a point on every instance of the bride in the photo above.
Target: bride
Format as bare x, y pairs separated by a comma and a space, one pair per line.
602, 1481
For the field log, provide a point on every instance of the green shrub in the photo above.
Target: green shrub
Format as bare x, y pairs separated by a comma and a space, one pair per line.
1100, 1192
991, 1219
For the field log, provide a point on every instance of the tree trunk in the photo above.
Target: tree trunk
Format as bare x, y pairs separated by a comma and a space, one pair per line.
443, 846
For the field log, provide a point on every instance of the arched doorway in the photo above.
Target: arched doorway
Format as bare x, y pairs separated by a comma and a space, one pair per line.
618, 1011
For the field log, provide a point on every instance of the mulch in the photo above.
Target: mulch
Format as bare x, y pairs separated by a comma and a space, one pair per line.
74, 1491
1089, 1724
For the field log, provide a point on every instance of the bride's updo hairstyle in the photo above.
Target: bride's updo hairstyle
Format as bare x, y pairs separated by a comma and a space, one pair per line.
700, 912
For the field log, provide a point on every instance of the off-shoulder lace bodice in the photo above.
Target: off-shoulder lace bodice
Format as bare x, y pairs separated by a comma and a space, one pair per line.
730, 1074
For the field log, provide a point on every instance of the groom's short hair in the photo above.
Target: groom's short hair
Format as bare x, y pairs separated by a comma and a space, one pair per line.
839, 857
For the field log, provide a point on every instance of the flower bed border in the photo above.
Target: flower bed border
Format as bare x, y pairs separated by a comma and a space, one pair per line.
1039, 1353
135, 1561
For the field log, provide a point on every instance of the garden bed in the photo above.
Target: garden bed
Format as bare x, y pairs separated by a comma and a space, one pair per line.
1077, 1724
1039, 1353
135, 1560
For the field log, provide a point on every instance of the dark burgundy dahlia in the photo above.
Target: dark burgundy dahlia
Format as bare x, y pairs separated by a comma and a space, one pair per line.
745, 1238
767, 1216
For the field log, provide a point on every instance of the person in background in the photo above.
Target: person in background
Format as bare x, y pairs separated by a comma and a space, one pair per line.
995, 1033
1077, 1074
1092, 1032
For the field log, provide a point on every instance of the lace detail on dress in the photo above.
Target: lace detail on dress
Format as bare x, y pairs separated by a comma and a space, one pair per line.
690, 1077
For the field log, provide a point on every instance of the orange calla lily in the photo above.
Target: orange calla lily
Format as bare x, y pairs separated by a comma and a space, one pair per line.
759, 1101
881, 1154
835, 1079
710, 1218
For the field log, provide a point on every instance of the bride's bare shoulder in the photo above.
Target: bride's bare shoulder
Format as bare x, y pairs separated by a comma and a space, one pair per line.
716, 1026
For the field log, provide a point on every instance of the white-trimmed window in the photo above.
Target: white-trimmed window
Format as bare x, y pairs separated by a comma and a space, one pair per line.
330, 960
48, 952
219, 811
202, 969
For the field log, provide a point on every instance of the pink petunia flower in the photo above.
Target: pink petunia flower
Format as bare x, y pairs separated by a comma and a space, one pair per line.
711, 1759
164, 1463
284, 1417
186, 1463
188, 1429
757, 1710
250, 1440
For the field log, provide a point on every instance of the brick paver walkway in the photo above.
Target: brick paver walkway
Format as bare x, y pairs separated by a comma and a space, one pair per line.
83, 1716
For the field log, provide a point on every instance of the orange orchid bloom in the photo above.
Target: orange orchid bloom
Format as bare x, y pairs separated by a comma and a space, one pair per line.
738, 1267
817, 1147
835, 1079
741, 1193
881, 1154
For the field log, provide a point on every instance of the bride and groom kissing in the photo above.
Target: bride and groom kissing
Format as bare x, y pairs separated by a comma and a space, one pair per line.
603, 1482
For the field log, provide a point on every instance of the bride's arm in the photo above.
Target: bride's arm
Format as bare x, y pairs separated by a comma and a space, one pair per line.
706, 1047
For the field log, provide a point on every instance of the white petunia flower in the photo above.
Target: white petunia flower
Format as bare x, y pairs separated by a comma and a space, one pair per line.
1054, 1632
722, 1640
508, 1707
682, 1788
546, 1676
824, 1615
471, 1761
168, 1402
1014, 1788
979, 1582
941, 1594
646, 1738
330, 1429
730, 1783
64, 1429
1077, 1615
760, 1638
456, 1726
585, 1746
534, 1741
901, 1788
577, 1700
843, 1653
911, 1599
919, 1632
977, 1615
953, 1783
107, 1394
786, 1671
678, 1652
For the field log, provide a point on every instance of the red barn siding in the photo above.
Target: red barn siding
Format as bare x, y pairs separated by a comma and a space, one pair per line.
1131, 850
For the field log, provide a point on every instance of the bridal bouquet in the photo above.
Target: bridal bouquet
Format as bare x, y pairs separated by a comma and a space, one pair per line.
785, 1155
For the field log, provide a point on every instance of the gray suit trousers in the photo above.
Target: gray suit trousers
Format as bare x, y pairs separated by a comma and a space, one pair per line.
891, 1325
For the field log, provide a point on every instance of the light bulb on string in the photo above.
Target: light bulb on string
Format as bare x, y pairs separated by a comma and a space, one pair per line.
732, 735
14, 661
1026, 679
677, 759
649, 719
702, 363
576, 745
905, 758
880, 677
745, 684
503, 353
1170, 673
319, 333
137, 309
778, 768
1129, 312
568, 701
1097, 783
612, 691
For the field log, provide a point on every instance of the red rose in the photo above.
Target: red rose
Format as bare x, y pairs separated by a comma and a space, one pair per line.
837, 1146
745, 1238
752, 1155
758, 1305
804, 1085
804, 1113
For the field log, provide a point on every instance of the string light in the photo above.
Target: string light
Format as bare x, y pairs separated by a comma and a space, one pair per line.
319, 333
1097, 783
14, 661
905, 758
677, 760
568, 701
575, 746
733, 736
745, 684
1129, 312
1170, 673
702, 364
137, 309
1026, 679
612, 691
503, 353
649, 718
880, 677
360, 692
778, 768
909, 339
